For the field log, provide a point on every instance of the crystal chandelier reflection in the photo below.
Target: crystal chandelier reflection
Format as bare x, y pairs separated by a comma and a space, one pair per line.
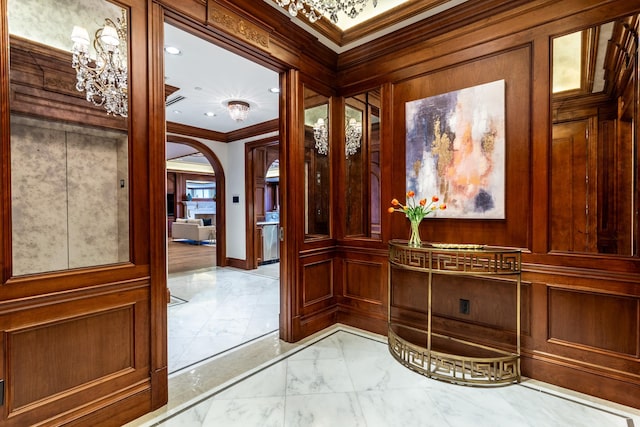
317, 8
321, 136
238, 110
353, 136
105, 78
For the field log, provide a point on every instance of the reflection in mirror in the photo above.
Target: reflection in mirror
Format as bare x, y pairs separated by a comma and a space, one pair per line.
69, 142
594, 195
362, 174
316, 165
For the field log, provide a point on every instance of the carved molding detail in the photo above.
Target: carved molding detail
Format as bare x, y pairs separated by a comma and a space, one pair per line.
235, 25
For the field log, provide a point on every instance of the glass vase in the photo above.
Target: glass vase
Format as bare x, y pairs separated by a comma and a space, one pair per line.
414, 239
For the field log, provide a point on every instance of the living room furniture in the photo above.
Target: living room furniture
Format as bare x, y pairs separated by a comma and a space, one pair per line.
443, 356
193, 229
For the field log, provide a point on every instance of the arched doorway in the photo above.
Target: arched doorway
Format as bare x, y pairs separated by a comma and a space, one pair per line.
220, 192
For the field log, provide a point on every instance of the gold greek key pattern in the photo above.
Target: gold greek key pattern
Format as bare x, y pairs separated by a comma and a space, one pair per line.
487, 260
453, 368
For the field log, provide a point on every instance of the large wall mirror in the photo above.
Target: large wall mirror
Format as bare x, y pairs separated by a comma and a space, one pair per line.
362, 167
69, 135
595, 197
317, 165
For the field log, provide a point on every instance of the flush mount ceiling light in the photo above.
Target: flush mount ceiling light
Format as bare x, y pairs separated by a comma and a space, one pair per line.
238, 110
317, 8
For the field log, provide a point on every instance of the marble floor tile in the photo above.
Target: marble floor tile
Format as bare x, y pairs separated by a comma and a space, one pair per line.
346, 377
224, 308
228, 368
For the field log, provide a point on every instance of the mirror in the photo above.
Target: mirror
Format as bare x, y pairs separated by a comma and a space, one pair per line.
594, 197
362, 167
317, 165
69, 144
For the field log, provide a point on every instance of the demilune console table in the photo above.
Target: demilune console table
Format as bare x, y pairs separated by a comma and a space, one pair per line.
469, 363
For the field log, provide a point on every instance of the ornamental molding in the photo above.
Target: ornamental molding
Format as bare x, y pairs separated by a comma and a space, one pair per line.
235, 25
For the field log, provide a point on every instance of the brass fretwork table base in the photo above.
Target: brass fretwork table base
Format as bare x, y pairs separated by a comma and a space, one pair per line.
453, 368
500, 367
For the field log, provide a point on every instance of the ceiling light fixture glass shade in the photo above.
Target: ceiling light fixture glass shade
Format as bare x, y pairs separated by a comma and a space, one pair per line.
314, 9
238, 110
321, 136
105, 78
353, 136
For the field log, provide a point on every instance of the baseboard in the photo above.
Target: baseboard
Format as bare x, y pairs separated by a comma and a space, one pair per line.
238, 263
577, 379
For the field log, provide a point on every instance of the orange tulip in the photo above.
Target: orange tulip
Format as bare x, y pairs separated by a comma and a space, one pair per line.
423, 202
434, 199
443, 206
410, 193
391, 210
395, 202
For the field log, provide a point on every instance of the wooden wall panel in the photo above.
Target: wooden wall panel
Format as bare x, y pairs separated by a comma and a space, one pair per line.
362, 281
492, 302
72, 354
513, 66
50, 358
587, 319
317, 282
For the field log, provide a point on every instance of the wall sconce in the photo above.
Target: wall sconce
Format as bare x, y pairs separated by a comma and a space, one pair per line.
353, 136
321, 136
105, 78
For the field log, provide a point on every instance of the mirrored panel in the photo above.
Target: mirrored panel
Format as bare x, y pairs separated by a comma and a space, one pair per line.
594, 195
69, 135
362, 166
317, 173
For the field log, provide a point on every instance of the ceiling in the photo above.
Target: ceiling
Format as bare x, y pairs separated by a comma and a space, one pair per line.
207, 76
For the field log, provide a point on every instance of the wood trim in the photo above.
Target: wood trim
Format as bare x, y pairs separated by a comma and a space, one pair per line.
379, 23
445, 23
255, 130
157, 210
5, 148
196, 132
249, 191
247, 132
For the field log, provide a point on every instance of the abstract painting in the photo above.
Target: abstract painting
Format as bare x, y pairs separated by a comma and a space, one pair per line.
456, 150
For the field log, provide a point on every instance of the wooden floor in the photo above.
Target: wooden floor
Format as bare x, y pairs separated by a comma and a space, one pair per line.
186, 256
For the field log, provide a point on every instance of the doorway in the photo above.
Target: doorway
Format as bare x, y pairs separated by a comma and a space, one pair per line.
214, 310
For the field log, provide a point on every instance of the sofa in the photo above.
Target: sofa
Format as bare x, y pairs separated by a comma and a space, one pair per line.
193, 229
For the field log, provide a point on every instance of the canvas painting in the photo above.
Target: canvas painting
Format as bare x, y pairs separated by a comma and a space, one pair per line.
456, 150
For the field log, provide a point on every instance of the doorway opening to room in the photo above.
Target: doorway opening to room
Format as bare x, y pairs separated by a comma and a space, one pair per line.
233, 301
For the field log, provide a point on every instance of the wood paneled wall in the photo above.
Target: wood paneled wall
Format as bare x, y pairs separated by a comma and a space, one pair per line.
580, 313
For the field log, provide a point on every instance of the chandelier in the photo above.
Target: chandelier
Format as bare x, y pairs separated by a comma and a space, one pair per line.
321, 136
353, 136
238, 110
317, 8
105, 78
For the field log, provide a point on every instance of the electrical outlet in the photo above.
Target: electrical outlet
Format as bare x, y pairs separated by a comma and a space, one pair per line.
464, 306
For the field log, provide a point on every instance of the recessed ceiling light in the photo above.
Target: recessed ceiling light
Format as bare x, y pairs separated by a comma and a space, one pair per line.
210, 114
274, 90
177, 111
197, 88
172, 50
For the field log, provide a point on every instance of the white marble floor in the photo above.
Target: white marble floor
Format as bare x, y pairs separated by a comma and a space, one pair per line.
347, 377
222, 308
